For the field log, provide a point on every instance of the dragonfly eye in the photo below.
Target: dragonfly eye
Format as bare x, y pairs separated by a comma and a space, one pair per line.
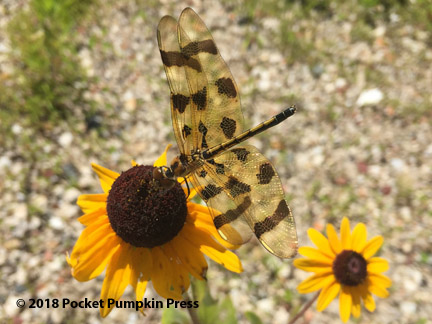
163, 175
158, 174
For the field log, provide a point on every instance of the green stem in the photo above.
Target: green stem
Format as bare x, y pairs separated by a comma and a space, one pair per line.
304, 309
192, 312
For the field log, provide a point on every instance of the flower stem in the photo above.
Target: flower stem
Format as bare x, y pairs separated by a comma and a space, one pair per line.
304, 309
192, 313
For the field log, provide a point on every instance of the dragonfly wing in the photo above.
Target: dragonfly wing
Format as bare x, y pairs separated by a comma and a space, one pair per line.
245, 188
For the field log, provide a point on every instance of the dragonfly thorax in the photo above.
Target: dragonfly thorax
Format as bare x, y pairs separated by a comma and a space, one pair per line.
177, 168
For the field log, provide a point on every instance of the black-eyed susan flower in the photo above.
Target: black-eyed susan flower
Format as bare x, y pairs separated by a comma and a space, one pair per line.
139, 232
344, 267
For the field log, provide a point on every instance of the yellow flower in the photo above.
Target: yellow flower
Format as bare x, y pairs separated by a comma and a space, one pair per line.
141, 232
344, 266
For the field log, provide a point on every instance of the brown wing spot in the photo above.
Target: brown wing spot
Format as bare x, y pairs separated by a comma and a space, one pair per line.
179, 102
210, 191
226, 87
202, 173
228, 126
203, 130
265, 174
220, 168
236, 187
172, 58
270, 222
183, 159
241, 153
178, 59
200, 99
186, 131
232, 214
194, 48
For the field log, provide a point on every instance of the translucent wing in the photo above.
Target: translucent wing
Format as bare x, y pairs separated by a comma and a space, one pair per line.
244, 187
215, 104
174, 62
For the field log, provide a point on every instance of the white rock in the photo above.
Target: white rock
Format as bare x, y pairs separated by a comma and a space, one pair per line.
20, 276
16, 129
20, 212
281, 315
405, 212
379, 31
39, 201
65, 139
341, 83
68, 210
412, 280
4, 162
370, 97
56, 223
71, 195
397, 164
10, 307
408, 307
265, 305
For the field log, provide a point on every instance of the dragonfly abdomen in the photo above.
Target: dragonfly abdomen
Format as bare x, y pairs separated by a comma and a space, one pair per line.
275, 120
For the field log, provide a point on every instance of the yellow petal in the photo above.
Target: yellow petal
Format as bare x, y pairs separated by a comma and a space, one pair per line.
93, 251
162, 160
133, 163
368, 300
200, 217
378, 291
315, 282
211, 248
312, 265
377, 265
356, 301
117, 277
333, 238
372, 246
315, 254
162, 275
199, 212
106, 176
190, 256
180, 280
141, 270
92, 202
359, 235
380, 280
327, 295
320, 242
356, 305
346, 235
95, 216
369, 303
345, 302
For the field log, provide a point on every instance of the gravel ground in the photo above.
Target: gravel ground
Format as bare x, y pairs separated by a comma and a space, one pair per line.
359, 146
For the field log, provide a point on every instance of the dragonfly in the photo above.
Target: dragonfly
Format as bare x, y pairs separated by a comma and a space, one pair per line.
239, 185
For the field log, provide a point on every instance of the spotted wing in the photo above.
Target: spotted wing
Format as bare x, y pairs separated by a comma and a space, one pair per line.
243, 191
214, 100
173, 62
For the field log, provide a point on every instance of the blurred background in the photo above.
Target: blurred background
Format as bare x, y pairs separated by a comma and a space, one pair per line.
82, 82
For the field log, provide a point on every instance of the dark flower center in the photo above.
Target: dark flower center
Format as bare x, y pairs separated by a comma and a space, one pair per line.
141, 212
350, 268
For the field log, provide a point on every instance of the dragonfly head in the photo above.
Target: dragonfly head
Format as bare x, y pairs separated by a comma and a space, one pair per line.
164, 177
167, 176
